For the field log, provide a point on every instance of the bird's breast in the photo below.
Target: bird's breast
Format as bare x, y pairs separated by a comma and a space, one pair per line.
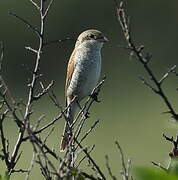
86, 73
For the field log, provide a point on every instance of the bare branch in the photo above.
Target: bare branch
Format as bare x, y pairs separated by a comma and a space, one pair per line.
35, 4
171, 139
85, 109
124, 22
31, 49
25, 124
122, 156
160, 166
44, 90
109, 168
36, 140
174, 153
5, 149
19, 171
125, 167
49, 124
47, 9
26, 23
54, 99
31, 166
28, 131
89, 131
57, 41
149, 85
47, 136
89, 151
92, 160
38, 122
167, 74
1, 56
88, 176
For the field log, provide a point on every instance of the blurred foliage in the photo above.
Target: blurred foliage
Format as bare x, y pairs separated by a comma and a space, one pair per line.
173, 167
3, 178
153, 174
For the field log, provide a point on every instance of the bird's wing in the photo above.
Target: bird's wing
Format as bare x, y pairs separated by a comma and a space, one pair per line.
70, 71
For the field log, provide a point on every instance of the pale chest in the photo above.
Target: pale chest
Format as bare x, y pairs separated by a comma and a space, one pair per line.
86, 73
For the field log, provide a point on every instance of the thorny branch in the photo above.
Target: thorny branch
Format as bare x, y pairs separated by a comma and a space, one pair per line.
144, 60
155, 85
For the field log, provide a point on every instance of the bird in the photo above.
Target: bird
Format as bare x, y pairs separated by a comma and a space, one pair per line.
83, 73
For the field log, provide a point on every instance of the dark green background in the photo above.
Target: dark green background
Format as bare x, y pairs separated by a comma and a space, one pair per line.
129, 112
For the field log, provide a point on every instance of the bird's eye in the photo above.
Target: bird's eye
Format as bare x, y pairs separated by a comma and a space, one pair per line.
92, 36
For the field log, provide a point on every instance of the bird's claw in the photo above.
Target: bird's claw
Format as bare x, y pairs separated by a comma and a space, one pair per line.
94, 96
86, 115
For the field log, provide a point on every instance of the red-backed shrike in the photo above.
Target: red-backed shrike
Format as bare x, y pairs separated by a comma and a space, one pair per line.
83, 73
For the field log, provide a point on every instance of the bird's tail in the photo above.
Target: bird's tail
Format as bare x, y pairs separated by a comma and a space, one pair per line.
67, 133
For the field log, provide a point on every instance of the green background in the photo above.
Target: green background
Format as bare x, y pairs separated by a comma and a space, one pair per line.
129, 112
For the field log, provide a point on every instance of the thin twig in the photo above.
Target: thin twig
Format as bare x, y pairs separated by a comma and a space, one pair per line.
5, 149
89, 151
26, 23
31, 97
1, 56
31, 49
88, 176
44, 90
125, 166
88, 132
122, 156
36, 139
160, 166
31, 166
85, 110
35, 4
92, 160
47, 9
109, 168
57, 41
49, 124
167, 74
19, 171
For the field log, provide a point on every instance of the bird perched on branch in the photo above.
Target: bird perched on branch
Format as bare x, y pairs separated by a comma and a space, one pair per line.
83, 73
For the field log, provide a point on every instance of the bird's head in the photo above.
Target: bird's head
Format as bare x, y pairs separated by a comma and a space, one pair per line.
91, 39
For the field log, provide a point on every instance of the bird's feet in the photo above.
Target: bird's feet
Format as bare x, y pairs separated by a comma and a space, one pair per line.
94, 96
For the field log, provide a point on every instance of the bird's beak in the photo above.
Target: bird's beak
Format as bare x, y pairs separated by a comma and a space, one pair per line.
102, 39
105, 39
